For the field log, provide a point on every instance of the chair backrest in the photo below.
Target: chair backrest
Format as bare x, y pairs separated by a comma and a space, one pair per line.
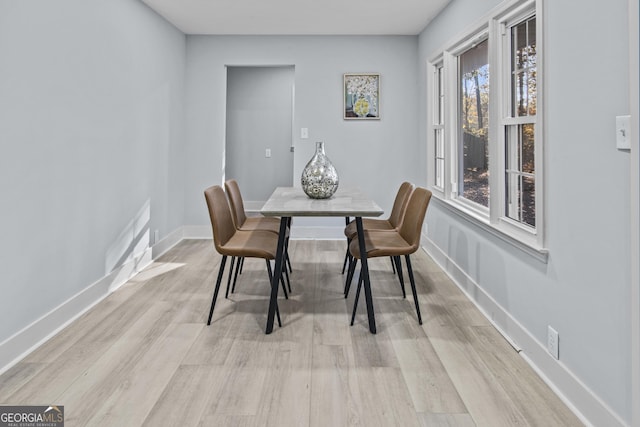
235, 199
400, 203
411, 227
220, 215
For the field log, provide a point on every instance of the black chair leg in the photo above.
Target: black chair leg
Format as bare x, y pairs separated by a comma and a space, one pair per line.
393, 264
413, 287
233, 260
398, 262
217, 288
241, 264
355, 303
346, 258
350, 274
235, 276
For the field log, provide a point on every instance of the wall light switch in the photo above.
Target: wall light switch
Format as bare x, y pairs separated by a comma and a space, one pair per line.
623, 127
267, 152
304, 133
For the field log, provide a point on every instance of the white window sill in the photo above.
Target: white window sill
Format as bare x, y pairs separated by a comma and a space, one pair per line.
539, 253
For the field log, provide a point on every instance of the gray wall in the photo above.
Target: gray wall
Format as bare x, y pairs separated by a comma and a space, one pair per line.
259, 117
583, 291
375, 155
91, 127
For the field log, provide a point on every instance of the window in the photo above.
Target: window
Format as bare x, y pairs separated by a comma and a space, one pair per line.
485, 138
519, 124
473, 132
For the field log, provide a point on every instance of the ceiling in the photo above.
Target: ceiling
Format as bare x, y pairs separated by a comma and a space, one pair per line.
299, 17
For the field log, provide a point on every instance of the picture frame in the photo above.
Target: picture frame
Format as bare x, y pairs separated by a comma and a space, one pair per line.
361, 96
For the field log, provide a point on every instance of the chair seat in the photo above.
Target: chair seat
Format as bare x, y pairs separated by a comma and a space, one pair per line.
381, 243
264, 223
350, 231
251, 244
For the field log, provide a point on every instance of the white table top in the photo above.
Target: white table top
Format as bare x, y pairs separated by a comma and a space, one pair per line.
292, 201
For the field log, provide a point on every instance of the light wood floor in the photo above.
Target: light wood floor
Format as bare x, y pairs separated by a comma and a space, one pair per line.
144, 355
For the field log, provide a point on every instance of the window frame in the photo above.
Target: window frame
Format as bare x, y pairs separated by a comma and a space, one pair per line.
436, 124
502, 28
496, 27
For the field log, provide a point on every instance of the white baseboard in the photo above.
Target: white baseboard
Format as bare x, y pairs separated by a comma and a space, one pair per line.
23, 342
587, 406
197, 232
169, 241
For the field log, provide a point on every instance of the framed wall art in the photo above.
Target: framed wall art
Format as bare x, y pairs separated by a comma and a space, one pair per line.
361, 96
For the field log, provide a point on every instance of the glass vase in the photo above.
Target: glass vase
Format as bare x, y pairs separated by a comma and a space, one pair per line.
319, 177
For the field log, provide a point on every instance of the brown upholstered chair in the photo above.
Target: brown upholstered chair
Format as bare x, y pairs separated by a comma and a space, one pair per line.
230, 241
240, 218
390, 224
245, 223
405, 241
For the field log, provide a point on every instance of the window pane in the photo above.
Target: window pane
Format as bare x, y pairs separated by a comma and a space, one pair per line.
528, 148
519, 182
522, 93
439, 157
531, 32
521, 198
529, 201
474, 123
440, 119
523, 41
519, 44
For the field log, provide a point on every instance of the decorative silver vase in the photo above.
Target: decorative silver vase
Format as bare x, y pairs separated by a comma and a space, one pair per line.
319, 178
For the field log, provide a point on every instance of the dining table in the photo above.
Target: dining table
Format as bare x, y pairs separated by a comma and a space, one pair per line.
288, 202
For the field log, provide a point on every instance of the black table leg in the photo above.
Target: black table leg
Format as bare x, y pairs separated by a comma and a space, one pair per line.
277, 274
364, 268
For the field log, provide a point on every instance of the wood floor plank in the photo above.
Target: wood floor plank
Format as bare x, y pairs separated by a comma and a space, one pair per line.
185, 397
136, 395
429, 385
285, 394
386, 401
86, 394
446, 420
483, 395
16, 377
335, 392
238, 393
533, 398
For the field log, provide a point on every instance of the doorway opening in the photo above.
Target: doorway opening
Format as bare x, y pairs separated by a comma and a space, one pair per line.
259, 130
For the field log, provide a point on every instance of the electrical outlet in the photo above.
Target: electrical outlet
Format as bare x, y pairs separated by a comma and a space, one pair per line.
553, 342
